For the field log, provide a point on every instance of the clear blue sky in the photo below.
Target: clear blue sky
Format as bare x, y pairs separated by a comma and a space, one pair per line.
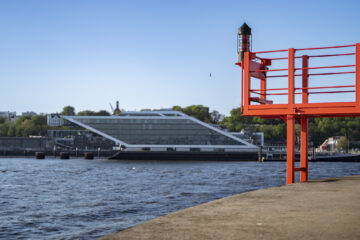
149, 54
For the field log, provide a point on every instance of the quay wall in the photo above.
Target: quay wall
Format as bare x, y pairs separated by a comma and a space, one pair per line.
323, 209
24, 143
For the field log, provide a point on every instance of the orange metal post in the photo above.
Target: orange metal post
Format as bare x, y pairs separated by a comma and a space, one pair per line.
290, 121
357, 69
305, 76
304, 149
242, 88
291, 72
304, 122
246, 63
263, 85
290, 155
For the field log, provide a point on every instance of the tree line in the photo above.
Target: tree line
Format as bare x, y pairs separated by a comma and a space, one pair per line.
274, 129
25, 126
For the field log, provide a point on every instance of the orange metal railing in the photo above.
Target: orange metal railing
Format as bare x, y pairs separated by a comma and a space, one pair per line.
258, 101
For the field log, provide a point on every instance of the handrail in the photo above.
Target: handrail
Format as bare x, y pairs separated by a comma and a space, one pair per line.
305, 49
311, 56
339, 66
311, 74
283, 50
319, 48
283, 89
300, 70
285, 69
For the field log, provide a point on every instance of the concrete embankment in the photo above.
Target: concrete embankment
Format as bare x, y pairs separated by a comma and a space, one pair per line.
323, 209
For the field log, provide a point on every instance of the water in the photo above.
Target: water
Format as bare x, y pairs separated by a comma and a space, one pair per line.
78, 199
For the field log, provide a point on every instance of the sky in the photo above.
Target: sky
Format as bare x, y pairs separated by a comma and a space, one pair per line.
149, 54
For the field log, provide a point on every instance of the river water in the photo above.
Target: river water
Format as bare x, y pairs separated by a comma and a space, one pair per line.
79, 199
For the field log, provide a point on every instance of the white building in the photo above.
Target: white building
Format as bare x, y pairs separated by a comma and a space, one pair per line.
54, 119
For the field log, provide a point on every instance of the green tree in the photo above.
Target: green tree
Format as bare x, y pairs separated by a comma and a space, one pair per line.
68, 111
342, 143
40, 123
28, 128
11, 131
25, 126
92, 113
216, 117
234, 122
86, 113
18, 126
103, 113
199, 112
4, 128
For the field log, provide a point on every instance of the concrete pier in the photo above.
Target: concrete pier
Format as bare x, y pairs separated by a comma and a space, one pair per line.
322, 209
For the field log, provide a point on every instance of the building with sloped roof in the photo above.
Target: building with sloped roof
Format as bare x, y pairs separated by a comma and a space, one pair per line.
161, 131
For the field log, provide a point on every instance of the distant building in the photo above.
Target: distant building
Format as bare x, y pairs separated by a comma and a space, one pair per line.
8, 115
54, 119
329, 144
161, 131
28, 114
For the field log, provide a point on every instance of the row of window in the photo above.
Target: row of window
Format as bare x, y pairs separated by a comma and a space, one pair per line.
149, 126
129, 121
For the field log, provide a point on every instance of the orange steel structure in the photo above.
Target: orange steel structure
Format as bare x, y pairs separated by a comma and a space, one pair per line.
256, 102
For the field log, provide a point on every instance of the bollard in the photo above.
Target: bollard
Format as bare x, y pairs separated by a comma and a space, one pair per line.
64, 155
88, 156
39, 155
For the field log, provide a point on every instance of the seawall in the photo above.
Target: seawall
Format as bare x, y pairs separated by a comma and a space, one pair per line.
322, 209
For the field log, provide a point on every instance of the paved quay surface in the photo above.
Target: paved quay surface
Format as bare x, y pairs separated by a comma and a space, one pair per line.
322, 209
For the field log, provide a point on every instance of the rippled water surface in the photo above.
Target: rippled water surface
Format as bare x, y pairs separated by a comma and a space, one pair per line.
78, 199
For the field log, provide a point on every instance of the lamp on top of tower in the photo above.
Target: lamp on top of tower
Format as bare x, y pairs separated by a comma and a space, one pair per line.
243, 40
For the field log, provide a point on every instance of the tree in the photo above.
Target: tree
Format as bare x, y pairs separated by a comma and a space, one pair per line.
234, 122
4, 128
342, 143
199, 112
11, 131
86, 113
18, 129
216, 117
28, 128
177, 108
103, 113
92, 113
68, 111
